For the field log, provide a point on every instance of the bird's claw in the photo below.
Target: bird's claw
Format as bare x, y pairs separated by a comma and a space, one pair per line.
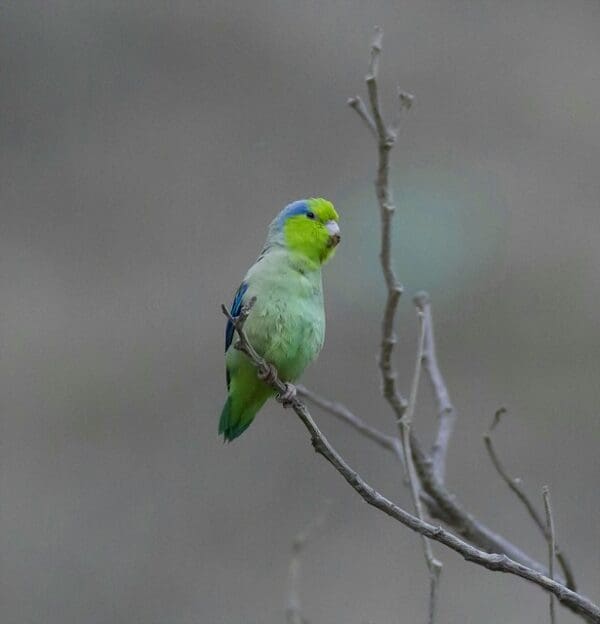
269, 375
287, 398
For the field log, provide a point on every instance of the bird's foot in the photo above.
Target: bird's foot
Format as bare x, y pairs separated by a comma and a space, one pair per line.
269, 375
287, 398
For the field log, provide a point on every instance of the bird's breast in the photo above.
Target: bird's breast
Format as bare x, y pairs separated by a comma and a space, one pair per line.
288, 328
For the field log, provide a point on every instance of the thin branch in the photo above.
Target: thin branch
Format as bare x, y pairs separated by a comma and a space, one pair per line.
515, 485
405, 102
414, 387
455, 514
446, 412
371, 80
495, 562
385, 142
359, 106
441, 503
339, 410
293, 611
551, 545
431, 471
433, 565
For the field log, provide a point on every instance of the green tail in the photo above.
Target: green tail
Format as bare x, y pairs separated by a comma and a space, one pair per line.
246, 395
236, 418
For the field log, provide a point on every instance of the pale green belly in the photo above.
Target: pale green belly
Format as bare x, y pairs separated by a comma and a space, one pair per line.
288, 333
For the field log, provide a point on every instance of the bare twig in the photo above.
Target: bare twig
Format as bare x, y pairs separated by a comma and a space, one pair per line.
515, 485
385, 141
340, 411
386, 138
384, 440
405, 102
407, 419
372, 88
431, 471
500, 563
453, 513
551, 545
433, 565
359, 106
495, 562
293, 611
441, 503
446, 411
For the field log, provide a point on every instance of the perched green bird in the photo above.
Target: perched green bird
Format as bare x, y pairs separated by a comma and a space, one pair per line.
287, 323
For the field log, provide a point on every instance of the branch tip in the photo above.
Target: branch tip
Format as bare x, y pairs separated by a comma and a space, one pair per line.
377, 42
516, 485
497, 418
421, 299
406, 99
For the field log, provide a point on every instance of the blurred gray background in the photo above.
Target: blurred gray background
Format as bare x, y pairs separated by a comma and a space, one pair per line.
145, 147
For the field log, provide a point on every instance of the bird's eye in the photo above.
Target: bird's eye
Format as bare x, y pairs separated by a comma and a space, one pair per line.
310, 215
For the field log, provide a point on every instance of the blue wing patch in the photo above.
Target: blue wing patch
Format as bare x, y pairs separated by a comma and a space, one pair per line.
236, 308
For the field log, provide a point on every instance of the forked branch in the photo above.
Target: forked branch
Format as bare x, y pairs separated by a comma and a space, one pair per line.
385, 138
495, 562
434, 566
516, 487
446, 411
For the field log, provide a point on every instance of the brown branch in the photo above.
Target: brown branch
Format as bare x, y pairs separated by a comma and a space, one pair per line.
339, 410
405, 102
386, 138
434, 566
359, 106
431, 471
453, 513
494, 562
515, 486
551, 545
446, 412
372, 88
440, 502
385, 141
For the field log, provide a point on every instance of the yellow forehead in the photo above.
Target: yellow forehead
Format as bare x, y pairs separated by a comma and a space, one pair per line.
323, 209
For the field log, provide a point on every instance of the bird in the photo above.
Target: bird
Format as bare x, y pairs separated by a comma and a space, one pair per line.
286, 325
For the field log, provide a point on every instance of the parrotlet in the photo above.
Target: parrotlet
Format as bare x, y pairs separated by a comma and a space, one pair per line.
286, 326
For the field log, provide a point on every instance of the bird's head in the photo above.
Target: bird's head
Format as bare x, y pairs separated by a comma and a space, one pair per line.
308, 227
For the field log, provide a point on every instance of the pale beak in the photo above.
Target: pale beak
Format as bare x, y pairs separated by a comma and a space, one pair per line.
334, 233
